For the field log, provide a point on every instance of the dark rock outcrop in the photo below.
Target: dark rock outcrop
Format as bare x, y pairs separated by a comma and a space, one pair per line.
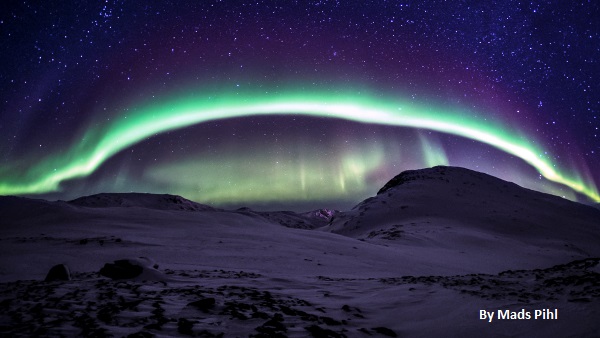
58, 272
121, 269
204, 304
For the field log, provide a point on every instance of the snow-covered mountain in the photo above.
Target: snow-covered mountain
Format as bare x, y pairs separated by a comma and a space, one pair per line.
307, 220
423, 257
459, 212
151, 201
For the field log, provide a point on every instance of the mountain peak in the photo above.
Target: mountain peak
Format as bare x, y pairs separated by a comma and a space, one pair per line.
442, 173
325, 214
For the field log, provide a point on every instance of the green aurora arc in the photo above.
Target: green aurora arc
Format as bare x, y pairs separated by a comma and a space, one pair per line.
99, 143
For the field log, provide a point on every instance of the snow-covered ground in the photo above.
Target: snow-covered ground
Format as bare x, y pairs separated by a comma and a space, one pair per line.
421, 258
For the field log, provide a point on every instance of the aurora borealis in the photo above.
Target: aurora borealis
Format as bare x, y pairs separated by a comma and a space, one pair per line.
253, 105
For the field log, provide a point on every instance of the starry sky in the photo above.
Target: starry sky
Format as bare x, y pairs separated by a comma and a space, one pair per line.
295, 105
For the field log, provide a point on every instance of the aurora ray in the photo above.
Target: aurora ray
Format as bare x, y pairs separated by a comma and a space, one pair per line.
433, 151
292, 178
100, 143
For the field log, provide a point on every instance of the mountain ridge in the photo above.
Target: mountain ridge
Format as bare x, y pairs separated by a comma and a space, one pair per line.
176, 202
135, 199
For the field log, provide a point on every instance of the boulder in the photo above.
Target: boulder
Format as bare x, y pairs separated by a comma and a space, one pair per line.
204, 304
58, 272
122, 269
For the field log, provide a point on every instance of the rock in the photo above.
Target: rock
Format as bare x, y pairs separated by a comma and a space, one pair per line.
204, 304
58, 272
385, 331
318, 332
121, 269
185, 326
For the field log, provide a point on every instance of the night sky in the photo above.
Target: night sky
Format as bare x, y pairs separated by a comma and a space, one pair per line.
295, 105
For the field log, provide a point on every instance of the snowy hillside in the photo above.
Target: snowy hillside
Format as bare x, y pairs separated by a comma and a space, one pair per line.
451, 213
421, 258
